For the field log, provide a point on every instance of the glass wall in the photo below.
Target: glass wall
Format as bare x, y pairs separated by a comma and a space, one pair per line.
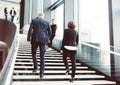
94, 22
94, 30
59, 20
53, 1
116, 30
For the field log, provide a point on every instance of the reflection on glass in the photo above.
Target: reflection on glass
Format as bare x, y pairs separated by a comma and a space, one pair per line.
94, 22
94, 29
59, 21
53, 1
96, 58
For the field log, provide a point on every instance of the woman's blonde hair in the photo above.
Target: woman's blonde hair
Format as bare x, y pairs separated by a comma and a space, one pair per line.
71, 24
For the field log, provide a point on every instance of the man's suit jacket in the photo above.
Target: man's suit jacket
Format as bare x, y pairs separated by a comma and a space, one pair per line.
39, 31
70, 38
14, 12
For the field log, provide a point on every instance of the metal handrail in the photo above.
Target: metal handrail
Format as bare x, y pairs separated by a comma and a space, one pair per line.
99, 48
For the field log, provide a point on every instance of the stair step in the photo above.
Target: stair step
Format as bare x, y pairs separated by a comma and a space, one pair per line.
46, 63
39, 60
53, 53
58, 77
38, 55
83, 82
54, 70
80, 67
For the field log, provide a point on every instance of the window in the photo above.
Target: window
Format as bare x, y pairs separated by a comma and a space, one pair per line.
94, 22
59, 20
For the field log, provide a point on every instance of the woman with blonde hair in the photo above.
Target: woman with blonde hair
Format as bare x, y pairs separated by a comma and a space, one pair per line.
69, 47
53, 31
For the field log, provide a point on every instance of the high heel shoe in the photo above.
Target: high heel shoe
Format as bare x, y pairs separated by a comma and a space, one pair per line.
67, 71
72, 79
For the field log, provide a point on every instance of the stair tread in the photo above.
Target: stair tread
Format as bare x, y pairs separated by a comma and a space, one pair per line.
52, 71
85, 82
56, 76
80, 67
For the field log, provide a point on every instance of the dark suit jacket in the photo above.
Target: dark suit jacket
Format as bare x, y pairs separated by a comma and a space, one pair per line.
13, 11
70, 38
39, 31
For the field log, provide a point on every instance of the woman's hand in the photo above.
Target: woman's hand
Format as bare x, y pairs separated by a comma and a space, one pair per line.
61, 51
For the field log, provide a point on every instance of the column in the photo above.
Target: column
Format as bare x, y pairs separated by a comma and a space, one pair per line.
68, 11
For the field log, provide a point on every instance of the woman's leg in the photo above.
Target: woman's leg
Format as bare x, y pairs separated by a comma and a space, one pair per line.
51, 39
65, 54
73, 62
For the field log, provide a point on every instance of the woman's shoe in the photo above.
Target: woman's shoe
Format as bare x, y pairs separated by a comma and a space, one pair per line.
72, 79
67, 71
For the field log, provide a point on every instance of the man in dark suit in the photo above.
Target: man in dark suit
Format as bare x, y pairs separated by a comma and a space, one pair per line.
12, 14
38, 35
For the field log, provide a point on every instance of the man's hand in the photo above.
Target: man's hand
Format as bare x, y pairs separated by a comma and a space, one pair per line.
61, 51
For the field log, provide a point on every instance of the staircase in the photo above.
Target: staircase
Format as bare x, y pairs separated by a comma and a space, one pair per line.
54, 70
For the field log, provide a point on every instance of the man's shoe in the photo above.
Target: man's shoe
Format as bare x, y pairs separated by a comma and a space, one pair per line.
41, 76
72, 79
67, 71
